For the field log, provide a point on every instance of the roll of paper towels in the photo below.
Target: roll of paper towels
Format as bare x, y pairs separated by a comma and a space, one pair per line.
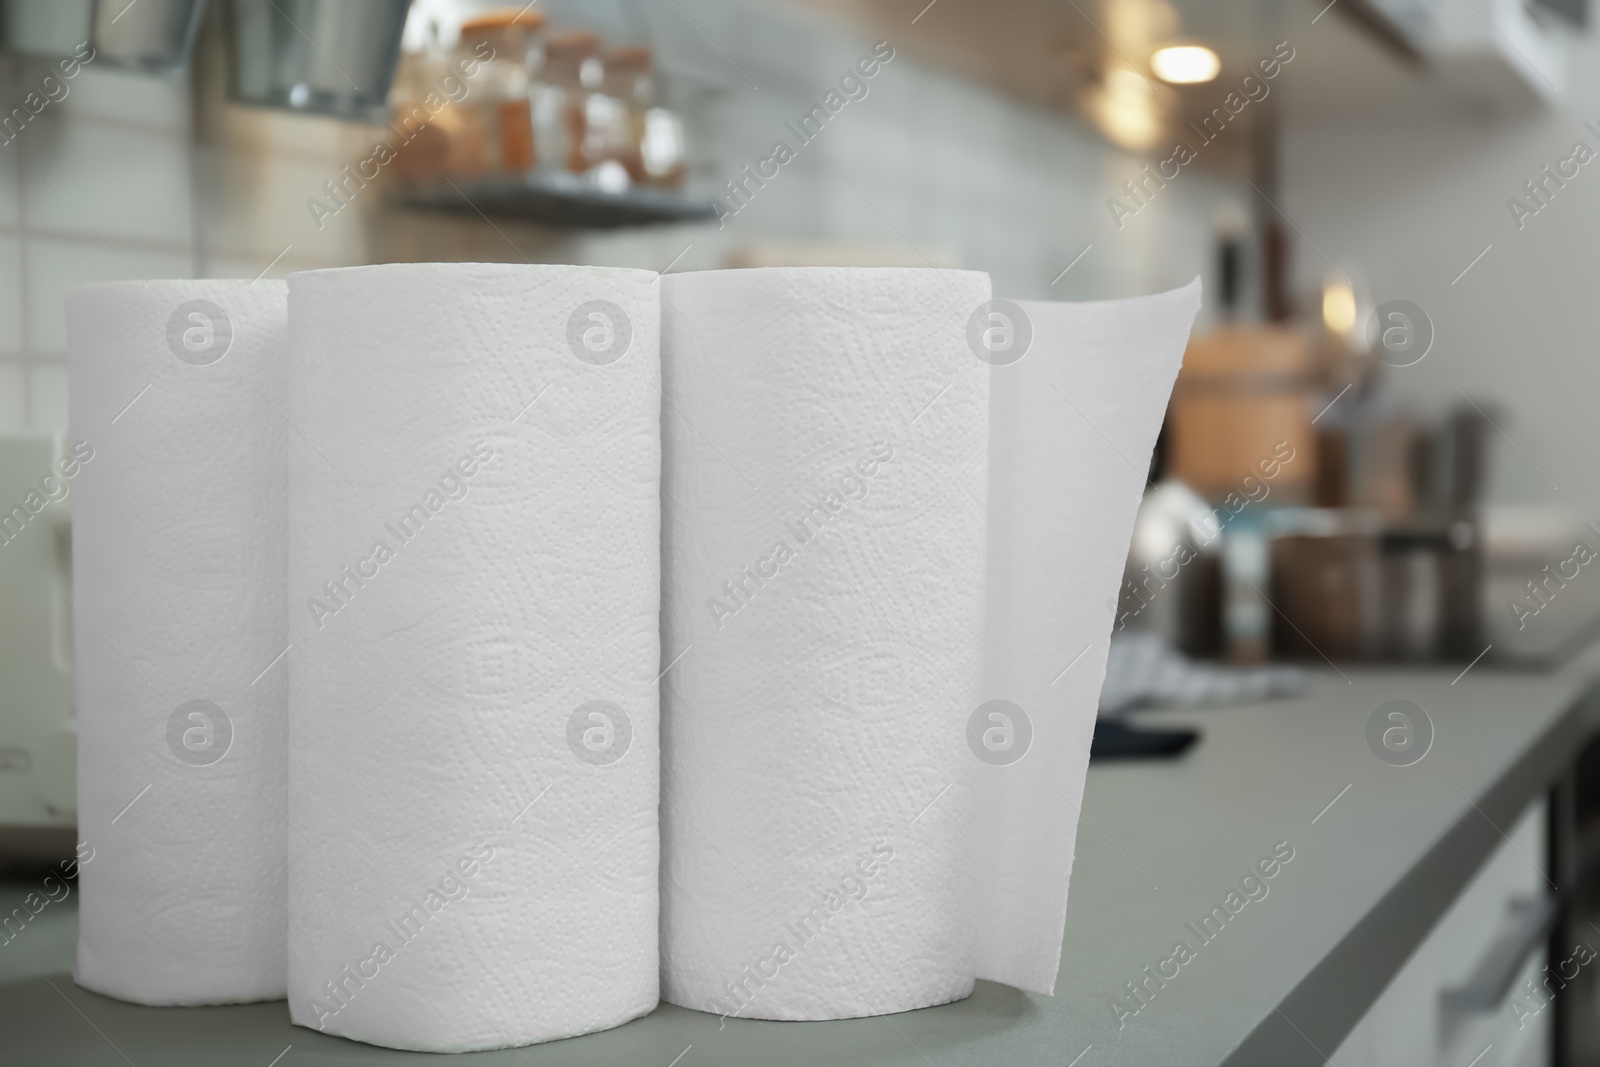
178, 543
825, 487
474, 576
895, 511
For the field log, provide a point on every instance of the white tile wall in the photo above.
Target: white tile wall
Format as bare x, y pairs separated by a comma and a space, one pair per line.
258, 205
47, 397
10, 178
13, 399
10, 295
55, 265
967, 176
280, 132
10, 155
126, 99
94, 178
96, 187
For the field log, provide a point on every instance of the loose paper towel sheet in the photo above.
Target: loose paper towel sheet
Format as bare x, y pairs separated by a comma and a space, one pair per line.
474, 597
1072, 425
863, 547
178, 583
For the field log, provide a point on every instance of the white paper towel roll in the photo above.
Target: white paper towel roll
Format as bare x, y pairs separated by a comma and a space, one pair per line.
474, 586
178, 558
824, 491
877, 575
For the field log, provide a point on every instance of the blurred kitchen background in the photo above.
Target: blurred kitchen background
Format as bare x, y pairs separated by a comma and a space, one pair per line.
1375, 451
1376, 448
1380, 449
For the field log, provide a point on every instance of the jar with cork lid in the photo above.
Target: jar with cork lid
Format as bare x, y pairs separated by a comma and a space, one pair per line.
571, 73
506, 40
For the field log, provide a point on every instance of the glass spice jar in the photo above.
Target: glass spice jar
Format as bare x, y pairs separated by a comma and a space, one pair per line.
570, 73
505, 41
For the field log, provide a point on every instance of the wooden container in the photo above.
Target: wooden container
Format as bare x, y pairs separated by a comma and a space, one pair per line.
1243, 395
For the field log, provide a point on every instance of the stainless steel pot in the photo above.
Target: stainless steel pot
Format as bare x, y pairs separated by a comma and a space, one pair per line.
1172, 581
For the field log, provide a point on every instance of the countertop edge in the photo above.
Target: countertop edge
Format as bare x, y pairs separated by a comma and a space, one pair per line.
1322, 1010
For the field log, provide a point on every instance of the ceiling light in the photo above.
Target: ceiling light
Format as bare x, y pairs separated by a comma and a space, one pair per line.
1339, 306
1128, 84
1185, 64
1130, 121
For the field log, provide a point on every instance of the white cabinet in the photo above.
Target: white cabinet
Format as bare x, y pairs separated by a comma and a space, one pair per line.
1445, 1008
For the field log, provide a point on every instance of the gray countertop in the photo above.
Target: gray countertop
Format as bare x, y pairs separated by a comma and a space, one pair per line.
1378, 853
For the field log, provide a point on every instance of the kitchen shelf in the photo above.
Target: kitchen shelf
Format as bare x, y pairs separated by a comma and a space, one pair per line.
556, 200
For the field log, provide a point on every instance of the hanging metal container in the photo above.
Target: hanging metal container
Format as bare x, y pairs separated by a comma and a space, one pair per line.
156, 36
48, 28
324, 57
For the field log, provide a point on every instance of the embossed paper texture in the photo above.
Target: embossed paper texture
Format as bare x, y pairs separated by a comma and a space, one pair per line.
824, 497
474, 591
178, 539
477, 652
895, 512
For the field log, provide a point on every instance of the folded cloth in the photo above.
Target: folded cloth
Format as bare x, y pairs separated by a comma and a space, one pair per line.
1143, 670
